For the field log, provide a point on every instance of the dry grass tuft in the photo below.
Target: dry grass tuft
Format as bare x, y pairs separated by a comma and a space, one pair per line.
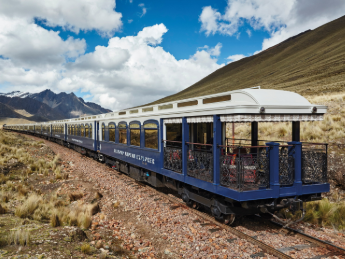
84, 220
19, 237
85, 248
54, 220
57, 172
94, 208
3, 210
326, 213
98, 195
22, 190
74, 196
29, 206
65, 176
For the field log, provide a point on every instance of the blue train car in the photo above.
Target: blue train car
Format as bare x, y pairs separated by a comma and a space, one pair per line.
184, 145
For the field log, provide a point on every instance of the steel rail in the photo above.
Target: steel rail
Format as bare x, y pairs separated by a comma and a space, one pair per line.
264, 247
311, 239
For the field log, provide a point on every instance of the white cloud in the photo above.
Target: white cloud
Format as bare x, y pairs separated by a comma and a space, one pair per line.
282, 19
130, 20
129, 71
147, 74
29, 45
249, 32
72, 15
144, 10
208, 19
234, 58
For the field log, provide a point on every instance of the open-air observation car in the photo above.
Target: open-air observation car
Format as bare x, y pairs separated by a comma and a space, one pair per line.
183, 145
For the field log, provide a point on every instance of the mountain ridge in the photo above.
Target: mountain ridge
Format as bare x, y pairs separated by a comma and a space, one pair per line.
47, 105
308, 63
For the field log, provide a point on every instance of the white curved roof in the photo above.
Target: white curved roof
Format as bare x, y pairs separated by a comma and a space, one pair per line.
276, 97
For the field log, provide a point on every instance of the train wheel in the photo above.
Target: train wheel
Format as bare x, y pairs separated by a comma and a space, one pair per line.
229, 219
193, 204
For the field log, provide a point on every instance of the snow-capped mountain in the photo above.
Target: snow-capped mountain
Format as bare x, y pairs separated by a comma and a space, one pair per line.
48, 105
16, 94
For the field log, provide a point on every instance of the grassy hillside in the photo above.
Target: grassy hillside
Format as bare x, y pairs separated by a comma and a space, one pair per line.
310, 63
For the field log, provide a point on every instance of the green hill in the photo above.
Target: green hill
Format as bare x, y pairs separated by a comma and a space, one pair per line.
308, 63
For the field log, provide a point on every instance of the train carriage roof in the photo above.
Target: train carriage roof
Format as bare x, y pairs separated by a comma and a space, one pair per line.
243, 105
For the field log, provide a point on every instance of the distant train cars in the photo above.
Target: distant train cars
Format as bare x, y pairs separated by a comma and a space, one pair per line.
184, 145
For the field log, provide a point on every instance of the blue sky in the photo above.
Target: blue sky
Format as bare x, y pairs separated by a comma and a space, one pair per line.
130, 52
182, 21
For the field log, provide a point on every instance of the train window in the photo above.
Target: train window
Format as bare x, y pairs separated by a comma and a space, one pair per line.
134, 133
122, 133
166, 106
186, 104
151, 135
103, 132
217, 99
69, 129
82, 130
174, 133
91, 136
87, 130
111, 127
149, 109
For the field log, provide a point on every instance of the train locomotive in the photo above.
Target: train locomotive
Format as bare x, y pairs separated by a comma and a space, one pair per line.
184, 145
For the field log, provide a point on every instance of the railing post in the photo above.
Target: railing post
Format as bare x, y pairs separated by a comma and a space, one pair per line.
296, 152
274, 167
160, 140
217, 140
185, 149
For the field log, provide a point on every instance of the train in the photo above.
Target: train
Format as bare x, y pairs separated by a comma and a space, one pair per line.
186, 145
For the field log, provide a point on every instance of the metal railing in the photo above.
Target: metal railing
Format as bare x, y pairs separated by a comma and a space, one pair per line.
245, 171
314, 163
286, 165
173, 156
200, 162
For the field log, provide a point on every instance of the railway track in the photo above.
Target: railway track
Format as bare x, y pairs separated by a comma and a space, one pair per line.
334, 250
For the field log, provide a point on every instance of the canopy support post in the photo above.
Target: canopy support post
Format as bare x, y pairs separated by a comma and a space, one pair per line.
254, 137
296, 131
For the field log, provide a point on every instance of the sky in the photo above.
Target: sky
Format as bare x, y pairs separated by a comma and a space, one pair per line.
126, 53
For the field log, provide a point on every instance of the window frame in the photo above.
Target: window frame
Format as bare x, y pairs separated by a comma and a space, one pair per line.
129, 133
118, 125
144, 139
103, 131
82, 130
112, 124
